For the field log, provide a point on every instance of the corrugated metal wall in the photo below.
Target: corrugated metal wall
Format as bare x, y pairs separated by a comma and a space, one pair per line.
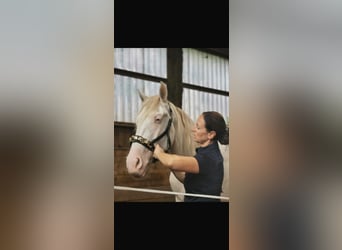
199, 68
126, 98
150, 61
205, 70
195, 102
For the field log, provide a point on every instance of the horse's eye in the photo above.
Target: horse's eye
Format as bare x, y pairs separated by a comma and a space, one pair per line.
158, 118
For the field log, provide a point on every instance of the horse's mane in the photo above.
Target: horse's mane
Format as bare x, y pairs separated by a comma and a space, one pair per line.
183, 142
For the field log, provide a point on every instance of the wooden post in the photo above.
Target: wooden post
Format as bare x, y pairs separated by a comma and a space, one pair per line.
174, 75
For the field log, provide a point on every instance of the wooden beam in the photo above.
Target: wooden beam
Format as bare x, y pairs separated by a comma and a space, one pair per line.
174, 75
205, 89
137, 75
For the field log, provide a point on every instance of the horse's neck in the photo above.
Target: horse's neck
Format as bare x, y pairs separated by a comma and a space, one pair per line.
183, 142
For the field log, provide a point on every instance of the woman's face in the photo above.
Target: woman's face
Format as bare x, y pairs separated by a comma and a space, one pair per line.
200, 133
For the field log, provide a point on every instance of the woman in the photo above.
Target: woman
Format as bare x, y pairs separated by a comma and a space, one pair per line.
204, 170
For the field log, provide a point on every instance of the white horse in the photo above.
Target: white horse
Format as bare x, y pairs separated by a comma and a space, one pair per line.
160, 121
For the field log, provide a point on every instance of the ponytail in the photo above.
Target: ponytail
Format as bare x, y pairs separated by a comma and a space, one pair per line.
224, 139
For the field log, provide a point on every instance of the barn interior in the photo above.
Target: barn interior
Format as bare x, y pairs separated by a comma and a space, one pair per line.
197, 80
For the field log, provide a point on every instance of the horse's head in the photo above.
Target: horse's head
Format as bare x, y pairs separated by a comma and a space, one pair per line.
153, 125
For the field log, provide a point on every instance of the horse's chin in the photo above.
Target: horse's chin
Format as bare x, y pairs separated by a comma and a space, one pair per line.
137, 173
140, 174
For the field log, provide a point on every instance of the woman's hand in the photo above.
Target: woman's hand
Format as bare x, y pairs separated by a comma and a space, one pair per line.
157, 150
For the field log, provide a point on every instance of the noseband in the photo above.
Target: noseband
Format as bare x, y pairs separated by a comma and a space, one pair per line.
150, 144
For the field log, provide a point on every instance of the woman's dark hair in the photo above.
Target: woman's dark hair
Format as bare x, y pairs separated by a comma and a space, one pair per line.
214, 121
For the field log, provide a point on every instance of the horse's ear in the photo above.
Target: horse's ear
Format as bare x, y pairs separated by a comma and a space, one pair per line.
142, 95
163, 91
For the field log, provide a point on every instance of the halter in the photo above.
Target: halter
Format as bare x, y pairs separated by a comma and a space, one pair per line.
150, 144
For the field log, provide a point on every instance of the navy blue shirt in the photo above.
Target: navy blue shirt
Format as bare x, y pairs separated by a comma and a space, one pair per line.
210, 177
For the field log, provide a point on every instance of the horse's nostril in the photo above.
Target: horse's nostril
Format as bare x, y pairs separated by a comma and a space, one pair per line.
138, 163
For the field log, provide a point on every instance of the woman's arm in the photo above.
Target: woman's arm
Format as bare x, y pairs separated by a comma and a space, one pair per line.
176, 162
